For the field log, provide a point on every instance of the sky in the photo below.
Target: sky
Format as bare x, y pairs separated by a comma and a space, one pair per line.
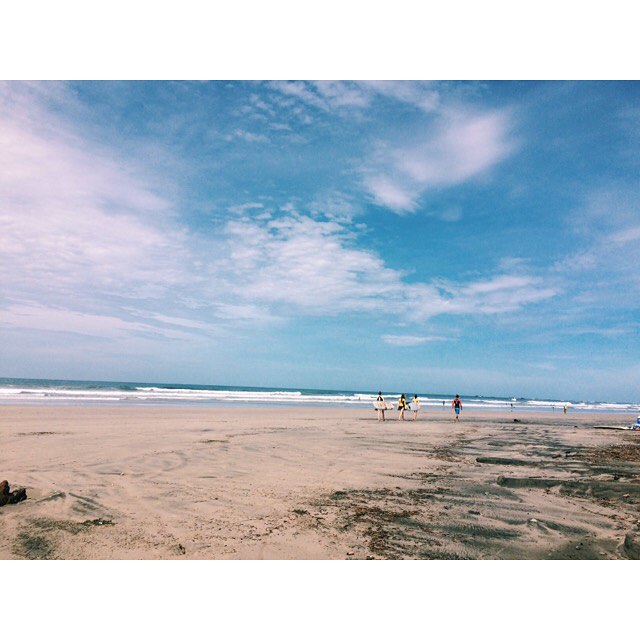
461, 237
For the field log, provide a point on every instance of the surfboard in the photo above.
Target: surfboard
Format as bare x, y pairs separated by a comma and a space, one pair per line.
414, 406
382, 405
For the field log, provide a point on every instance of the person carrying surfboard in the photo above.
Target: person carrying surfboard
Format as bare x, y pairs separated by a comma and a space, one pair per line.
380, 411
402, 405
456, 405
415, 406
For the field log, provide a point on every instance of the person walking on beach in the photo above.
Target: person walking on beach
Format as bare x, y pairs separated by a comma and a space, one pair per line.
456, 405
380, 411
402, 405
565, 408
416, 406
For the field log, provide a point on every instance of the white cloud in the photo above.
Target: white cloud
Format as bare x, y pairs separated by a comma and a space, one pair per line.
503, 293
330, 95
47, 318
305, 263
607, 230
625, 236
75, 216
544, 366
423, 95
391, 193
410, 341
247, 136
241, 209
455, 144
458, 147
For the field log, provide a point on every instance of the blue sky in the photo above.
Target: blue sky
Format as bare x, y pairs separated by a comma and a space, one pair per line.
444, 236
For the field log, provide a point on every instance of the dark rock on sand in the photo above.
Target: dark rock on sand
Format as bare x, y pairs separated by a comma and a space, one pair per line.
11, 497
631, 545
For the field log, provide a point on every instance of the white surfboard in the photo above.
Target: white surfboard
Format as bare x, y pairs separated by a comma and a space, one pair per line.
381, 404
414, 406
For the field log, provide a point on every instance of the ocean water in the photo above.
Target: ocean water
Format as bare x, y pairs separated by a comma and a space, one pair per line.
22, 391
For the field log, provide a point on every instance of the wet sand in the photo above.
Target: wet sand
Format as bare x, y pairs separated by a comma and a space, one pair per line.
307, 483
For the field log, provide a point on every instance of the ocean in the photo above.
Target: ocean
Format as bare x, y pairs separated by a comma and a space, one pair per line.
24, 391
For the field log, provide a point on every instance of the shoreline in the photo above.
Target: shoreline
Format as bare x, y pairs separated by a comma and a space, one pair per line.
120, 404
316, 482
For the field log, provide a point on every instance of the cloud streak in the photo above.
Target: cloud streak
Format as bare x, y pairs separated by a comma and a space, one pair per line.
458, 148
410, 341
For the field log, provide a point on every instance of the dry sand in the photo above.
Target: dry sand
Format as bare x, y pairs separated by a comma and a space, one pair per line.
305, 483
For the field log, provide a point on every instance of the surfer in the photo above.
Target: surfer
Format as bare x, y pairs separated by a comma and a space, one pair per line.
456, 405
416, 406
402, 405
380, 411
565, 408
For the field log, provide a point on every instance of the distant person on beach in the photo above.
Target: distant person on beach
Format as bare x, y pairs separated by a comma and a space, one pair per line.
402, 405
565, 408
443, 404
380, 411
456, 405
416, 403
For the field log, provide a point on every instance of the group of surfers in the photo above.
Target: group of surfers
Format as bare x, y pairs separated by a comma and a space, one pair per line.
414, 405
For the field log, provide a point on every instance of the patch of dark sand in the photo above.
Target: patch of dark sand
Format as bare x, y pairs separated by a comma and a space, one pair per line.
514, 462
70, 526
613, 453
85, 504
54, 496
37, 540
447, 453
465, 519
32, 546
597, 489
384, 519
469, 532
416, 522
38, 433
631, 545
585, 549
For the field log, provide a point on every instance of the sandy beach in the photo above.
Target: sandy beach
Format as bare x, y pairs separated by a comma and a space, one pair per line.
316, 483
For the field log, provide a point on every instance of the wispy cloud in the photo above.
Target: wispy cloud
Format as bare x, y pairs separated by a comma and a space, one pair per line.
325, 95
77, 216
51, 319
458, 147
330, 95
606, 230
503, 293
247, 136
304, 262
313, 265
410, 341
